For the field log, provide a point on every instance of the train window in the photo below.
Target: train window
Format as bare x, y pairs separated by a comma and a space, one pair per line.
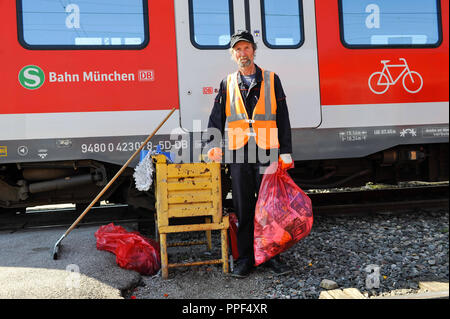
282, 23
211, 23
81, 24
387, 23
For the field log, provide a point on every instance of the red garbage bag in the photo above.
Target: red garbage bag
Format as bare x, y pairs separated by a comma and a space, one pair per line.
283, 214
232, 230
133, 251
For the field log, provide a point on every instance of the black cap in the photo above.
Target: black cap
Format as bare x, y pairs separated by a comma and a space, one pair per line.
241, 35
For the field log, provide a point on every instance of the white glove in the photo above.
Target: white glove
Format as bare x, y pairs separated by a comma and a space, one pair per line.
286, 158
286, 161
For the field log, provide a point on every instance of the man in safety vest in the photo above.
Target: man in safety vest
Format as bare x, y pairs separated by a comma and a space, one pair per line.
251, 110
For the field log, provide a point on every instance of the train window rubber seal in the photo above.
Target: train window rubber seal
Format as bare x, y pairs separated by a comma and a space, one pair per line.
301, 25
192, 30
392, 46
24, 44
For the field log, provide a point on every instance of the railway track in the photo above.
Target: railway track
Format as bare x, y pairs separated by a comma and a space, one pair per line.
381, 200
57, 217
386, 200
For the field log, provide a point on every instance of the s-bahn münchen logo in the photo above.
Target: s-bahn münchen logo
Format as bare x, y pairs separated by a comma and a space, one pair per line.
31, 77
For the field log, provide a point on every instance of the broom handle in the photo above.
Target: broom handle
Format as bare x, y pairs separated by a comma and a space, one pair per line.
117, 175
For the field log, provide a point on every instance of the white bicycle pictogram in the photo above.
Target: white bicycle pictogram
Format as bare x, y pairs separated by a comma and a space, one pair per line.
379, 82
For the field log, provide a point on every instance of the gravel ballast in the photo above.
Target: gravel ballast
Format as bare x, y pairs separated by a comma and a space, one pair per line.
378, 254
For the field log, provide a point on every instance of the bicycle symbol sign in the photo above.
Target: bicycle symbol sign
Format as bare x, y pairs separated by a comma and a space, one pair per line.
379, 82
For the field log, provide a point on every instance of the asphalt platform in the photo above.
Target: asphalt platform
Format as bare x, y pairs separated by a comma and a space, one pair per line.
28, 270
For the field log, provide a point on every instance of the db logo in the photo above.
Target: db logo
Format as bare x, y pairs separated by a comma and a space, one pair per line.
146, 75
31, 77
208, 90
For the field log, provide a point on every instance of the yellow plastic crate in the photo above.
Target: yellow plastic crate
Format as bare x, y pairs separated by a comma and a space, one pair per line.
189, 190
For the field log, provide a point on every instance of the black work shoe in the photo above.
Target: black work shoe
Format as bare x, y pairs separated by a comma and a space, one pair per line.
277, 266
242, 269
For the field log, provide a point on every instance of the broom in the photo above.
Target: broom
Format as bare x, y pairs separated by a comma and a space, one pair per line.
58, 243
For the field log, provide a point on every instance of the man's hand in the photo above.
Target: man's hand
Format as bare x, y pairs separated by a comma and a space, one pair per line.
286, 161
215, 154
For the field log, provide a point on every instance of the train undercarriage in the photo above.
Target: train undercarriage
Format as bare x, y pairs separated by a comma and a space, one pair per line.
25, 185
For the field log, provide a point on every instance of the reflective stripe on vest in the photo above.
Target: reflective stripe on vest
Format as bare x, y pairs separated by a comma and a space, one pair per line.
262, 126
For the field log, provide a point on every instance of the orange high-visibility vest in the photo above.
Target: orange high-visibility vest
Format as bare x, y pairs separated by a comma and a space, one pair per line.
263, 125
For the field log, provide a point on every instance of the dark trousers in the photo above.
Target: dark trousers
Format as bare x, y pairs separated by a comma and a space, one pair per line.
246, 180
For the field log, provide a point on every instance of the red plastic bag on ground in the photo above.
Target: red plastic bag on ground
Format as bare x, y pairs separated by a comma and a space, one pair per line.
283, 214
133, 251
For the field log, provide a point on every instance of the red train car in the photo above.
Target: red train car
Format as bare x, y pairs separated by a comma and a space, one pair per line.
85, 82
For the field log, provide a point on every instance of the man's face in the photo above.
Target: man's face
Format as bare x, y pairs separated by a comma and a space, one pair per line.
243, 54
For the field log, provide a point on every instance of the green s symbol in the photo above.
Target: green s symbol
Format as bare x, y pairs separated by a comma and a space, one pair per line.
31, 77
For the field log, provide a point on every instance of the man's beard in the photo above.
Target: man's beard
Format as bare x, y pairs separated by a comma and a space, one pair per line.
244, 62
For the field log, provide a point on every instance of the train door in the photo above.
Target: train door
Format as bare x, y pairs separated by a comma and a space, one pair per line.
285, 35
203, 30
